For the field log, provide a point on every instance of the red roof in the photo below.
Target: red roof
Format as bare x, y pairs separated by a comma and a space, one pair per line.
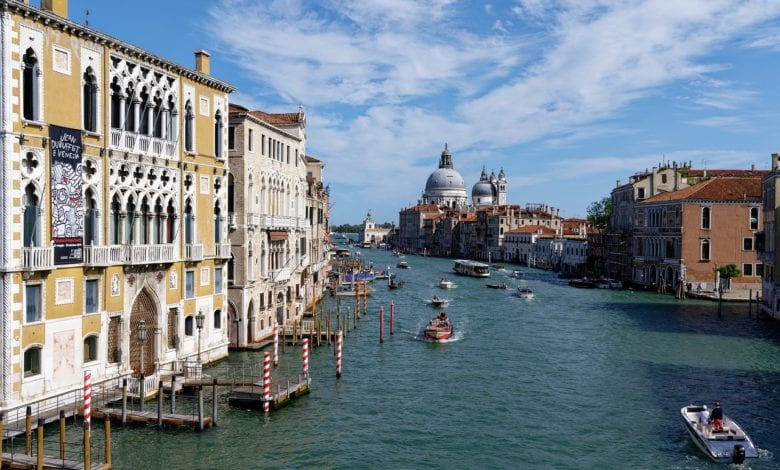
716, 189
540, 229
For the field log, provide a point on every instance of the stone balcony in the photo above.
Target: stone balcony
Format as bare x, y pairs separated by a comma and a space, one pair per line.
38, 258
193, 252
143, 144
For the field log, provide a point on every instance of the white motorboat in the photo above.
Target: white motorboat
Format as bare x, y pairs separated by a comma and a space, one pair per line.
525, 293
730, 445
445, 283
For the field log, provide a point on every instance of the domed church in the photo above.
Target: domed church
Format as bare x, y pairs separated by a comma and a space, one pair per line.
445, 186
489, 190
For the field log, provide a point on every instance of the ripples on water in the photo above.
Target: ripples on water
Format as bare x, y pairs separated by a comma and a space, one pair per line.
572, 378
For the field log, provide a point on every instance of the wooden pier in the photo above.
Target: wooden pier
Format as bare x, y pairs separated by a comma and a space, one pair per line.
151, 417
252, 396
26, 462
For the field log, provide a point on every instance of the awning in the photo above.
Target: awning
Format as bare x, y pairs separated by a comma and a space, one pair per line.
277, 235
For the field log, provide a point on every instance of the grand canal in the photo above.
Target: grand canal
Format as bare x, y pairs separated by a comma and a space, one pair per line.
569, 379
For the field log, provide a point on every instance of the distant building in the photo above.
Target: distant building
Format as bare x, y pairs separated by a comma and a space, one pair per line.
372, 234
768, 241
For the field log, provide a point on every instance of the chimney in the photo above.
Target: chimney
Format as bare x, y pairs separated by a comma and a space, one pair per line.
58, 7
753, 167
203, 62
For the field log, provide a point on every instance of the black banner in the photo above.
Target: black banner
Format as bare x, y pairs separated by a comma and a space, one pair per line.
67, 210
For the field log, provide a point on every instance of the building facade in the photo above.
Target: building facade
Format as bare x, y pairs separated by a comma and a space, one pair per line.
276, 223
114, 168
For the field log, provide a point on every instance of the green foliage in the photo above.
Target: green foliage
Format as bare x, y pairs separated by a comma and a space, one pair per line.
729, 271
347, 228
600, 211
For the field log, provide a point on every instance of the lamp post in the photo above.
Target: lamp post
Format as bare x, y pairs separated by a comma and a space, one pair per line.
141, 339
199, 324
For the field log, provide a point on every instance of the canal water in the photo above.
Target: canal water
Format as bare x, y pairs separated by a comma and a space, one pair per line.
573, 378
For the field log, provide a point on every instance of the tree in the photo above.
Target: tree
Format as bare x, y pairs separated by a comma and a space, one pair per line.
600, 211
729, 271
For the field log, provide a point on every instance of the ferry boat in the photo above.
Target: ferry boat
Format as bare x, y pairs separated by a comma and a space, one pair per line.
471, 268
729, 445
439, 328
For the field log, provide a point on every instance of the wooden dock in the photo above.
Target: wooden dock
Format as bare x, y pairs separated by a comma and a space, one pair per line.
150, 417
26, 462
252, 396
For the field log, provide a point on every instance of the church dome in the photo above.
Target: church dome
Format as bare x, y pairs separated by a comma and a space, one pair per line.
482, 189
445, 178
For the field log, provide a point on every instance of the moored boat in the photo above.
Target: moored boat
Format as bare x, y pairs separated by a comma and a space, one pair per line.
525, 293
445, 283
393, 284
403, 265
501, 285
583, 283
439, 328
471, 268
729, 445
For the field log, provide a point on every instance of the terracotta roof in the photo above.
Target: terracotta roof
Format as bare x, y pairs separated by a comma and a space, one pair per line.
716, 189
278, 119
540, 229
726, 173
421, 208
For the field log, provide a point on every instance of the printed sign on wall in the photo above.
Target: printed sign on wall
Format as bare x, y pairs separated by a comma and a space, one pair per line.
67, 210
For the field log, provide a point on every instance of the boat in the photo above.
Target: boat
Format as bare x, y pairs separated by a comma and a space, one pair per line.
437, 301
525, 293
393, 284
501, 285
445, 283
439, 328
348, 290
516, 274
471, 268
381, 275
499, 267
403, 265
583, 283
731, 445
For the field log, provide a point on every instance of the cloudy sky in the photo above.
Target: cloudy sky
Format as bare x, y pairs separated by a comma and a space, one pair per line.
568, 97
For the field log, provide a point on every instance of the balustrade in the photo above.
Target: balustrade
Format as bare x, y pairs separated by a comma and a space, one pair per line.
143, 144
36, 258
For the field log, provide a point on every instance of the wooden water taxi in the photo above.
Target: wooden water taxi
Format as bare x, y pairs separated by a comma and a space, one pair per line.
439, 328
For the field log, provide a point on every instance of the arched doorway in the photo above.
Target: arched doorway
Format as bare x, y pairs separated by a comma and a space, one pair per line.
233, 325
144, 309
250, 324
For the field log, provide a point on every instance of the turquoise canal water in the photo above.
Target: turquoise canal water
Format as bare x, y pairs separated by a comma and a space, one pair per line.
572, 378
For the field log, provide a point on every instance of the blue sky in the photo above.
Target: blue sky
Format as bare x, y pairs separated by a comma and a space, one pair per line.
567, 97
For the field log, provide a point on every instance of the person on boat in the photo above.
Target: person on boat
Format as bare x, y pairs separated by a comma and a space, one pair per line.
442, 316
716, 417
704, 418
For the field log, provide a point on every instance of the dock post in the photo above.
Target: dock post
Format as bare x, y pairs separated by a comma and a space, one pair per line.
200, 407
124, 401
306, 358
214, 402
392, 318
41, 424
28, 431
295, 332
381, 324
365, 296
355, 319
160, 405
338, 355
108, 440
62, 434
173, 394
267, 382
750, 302
87, 448
327, 328
141, 390
2, 425
347, 318
276, 345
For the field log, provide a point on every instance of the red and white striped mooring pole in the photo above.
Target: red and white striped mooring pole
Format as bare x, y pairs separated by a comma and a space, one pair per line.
306, 358
338, 354
266, 382
276, 344
392, 318
87, 399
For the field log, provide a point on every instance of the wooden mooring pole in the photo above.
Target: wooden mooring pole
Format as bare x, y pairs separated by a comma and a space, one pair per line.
750, 302
124, 401
381, 324
160, 405
28, 431
108, 440
214, 402
41, 423
200, 407
62, 434
173, 394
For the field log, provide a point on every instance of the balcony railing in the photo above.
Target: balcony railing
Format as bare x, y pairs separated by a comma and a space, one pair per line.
222, 250
143, 144
103, 255
193, 252
253, 220
38, 258
149, 254
279, 275
232, 220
